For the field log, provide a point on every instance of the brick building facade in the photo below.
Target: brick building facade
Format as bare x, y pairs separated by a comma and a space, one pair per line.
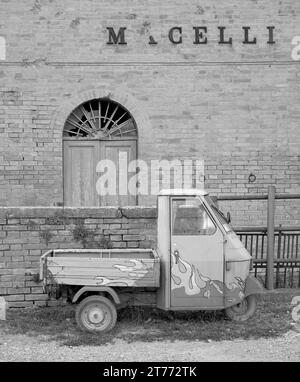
193, 94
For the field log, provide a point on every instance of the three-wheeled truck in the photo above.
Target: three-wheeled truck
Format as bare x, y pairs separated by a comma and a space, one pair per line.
199, 264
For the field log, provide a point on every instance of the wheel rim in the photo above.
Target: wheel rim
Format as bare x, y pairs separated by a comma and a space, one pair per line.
96, 316
240, 308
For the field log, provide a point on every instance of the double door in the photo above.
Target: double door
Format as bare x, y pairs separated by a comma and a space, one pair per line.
82, 178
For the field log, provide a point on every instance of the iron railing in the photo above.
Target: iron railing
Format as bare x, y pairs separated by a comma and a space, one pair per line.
286, 253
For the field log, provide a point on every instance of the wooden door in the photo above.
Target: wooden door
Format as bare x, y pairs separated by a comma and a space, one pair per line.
80, 160
115, 151
80, 177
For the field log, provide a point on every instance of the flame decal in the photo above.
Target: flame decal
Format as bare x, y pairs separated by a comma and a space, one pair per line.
100, 280
177, 280
139, 269
187, 276
181, 266
132, 273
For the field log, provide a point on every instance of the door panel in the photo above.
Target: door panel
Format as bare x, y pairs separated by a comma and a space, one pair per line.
196, 256
80, 160
114, 151
80, 177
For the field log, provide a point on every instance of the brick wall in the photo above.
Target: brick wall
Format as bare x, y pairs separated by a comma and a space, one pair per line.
27, 233
236, 107
254, 212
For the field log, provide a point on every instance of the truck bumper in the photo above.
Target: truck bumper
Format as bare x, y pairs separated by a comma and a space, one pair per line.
253, 286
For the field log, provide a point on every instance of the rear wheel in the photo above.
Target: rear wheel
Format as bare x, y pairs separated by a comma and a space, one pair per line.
96, 314
242, 311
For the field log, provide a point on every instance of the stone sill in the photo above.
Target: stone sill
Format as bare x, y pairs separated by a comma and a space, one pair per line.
130, 212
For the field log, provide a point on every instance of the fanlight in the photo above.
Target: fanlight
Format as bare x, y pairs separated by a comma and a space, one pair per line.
102, 119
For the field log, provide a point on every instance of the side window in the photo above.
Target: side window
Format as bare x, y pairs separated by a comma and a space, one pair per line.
189, 218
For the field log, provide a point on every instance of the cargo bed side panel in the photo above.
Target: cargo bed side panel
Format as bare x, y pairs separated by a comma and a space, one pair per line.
104, 271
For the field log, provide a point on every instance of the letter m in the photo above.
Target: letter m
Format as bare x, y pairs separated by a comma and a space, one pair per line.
114, 38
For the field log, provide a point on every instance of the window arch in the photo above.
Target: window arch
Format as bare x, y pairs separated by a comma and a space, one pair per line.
100, 119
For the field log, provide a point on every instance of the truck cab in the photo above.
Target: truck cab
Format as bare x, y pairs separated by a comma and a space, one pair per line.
204, 265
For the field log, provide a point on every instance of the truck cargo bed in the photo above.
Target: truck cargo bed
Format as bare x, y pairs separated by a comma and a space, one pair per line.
97, 267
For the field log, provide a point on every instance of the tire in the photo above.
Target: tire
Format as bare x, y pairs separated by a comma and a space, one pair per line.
242, 311
96, 314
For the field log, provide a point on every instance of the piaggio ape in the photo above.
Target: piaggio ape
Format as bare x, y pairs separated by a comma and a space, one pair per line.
199, 264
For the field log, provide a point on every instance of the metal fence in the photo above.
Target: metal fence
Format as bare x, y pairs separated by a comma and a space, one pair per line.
286, 253
276, 250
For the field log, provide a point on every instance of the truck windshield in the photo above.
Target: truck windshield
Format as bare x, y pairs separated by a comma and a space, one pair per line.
221, 217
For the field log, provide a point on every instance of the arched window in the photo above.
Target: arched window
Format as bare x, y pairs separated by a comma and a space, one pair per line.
97, 130
102, 119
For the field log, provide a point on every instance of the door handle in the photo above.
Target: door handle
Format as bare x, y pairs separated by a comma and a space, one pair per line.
176, 254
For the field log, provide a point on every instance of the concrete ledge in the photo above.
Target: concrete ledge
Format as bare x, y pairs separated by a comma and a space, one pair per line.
77, 212
139, 212
67, 212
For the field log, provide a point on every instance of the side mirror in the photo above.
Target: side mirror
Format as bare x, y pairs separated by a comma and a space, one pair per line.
228, 217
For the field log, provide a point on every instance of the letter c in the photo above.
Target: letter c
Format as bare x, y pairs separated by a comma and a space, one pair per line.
171, 35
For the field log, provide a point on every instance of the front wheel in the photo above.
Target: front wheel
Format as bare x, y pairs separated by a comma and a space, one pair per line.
242, 311
96, 314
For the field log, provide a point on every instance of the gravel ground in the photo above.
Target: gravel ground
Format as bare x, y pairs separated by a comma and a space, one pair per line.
24, 348
50, 334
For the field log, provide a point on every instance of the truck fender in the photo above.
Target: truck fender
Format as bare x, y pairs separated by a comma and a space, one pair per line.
253, 286
109, 290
